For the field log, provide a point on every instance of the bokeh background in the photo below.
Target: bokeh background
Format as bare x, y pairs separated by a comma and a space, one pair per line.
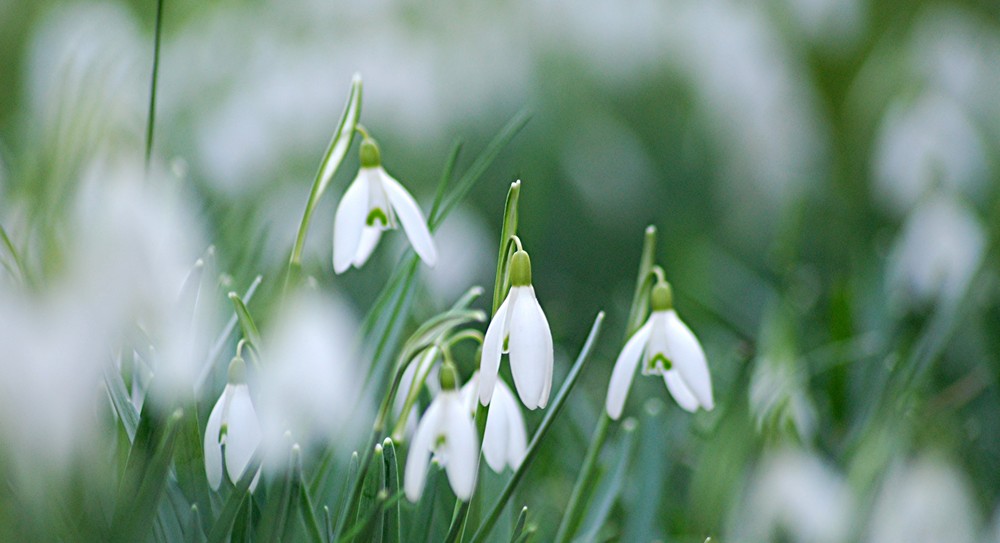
823, 175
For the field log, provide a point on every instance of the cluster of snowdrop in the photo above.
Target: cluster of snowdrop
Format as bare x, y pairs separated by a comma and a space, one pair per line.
374, 203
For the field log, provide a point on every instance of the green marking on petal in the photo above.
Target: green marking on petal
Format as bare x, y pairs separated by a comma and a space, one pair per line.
506, 343
659, 364
441, 439
377, 215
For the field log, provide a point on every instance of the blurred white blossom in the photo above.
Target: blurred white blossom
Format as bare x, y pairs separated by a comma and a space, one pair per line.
937, 252
926, 143
796, 494
924, 501
310, 375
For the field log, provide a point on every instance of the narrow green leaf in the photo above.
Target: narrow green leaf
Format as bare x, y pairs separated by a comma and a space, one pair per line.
543, 428
449, 168
508, 229
247, 324
611, 486
14, 255
280, 500
308, 511
189, 461
194, 527
482, 162
640, 298
120, 400
374, 485
391, 534
335, 153
140, 493
224, 522
151, 117
383, 500
519, 525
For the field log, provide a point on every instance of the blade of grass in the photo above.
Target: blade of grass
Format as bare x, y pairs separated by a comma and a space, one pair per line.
608, 492
536, 440
335, 153
151, 117
224, 522
247, 324
391, 534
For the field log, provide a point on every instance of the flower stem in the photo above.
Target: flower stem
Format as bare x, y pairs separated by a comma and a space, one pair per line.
151, 117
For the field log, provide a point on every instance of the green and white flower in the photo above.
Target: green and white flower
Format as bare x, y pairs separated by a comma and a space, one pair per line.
232, 427
520, 328
448, 431
667, 347
505, 439
374, 202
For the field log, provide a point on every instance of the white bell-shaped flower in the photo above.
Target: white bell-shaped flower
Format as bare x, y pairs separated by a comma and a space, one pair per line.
520, 328
666, 347
233, 427
505, 440
447, 430
372, 203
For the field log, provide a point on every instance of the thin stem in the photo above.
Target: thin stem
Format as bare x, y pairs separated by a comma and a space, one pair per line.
361, 130
151, 117
517, 241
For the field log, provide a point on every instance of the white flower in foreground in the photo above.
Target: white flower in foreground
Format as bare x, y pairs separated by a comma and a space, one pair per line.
666, 347
373, 203
520, 328
448, 431
505, 439
232, 426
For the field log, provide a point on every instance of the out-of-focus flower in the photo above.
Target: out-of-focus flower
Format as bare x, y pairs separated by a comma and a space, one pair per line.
309, 375
779, 396
447, 430
373, 203
925, 143
419, 370
666, 347
796, 494
925, 501
232, 427
505, 439
938, 251
520, 328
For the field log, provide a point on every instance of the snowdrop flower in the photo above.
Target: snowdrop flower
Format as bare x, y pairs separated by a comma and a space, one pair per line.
505, 439
233, 424
448, 431
373, 203
520, 328
666, 347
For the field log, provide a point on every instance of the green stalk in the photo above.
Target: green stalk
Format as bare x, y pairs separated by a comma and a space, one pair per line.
536, 440
508, 229
588, 471
335, 153
151, 118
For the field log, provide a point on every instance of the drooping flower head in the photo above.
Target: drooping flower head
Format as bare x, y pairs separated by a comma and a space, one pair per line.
233, 430
448, 431
665, 346
505, 439
372, 203
520, 328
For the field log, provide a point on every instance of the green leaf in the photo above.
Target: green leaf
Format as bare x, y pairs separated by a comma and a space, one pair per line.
281, 498
250, 331
335, 153
391, 533
144, 481
519, 525
224, 523
543, 428
121, 402
14, 255
308, 510
374, 485
640, 298
611, 486
508, 229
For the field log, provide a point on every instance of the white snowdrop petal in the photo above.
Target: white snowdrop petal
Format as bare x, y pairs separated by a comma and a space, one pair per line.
244, 435
489, 364
531, 350
349, 223
624, 371
689, 360
657, 343
419, 455
213, 450
682, 395
497, 434
463, 448
517, 435
370, 235
409, 214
